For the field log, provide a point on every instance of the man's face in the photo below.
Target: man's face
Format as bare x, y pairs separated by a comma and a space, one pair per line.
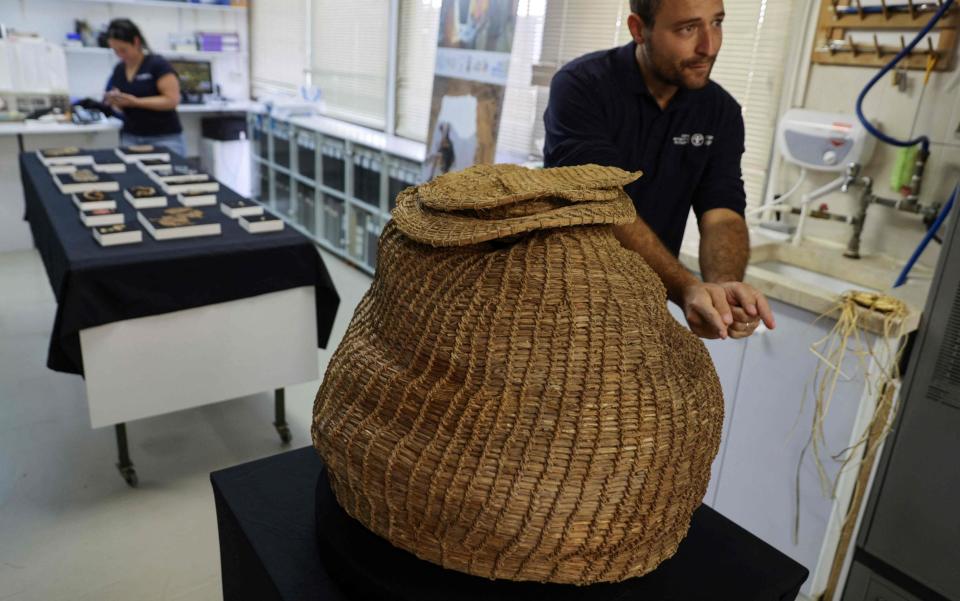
684, 41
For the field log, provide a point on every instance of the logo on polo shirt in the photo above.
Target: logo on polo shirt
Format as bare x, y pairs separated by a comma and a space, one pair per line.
693, 140
144, 76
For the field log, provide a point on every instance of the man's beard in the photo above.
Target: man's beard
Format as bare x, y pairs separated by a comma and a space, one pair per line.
677, 74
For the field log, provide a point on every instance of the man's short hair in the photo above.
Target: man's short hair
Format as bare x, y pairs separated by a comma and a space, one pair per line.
647, 9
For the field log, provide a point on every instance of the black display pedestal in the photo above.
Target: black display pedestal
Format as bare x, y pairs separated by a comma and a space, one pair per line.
272, 513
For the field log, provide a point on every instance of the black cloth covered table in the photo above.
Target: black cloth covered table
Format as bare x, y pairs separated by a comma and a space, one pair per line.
96, 285
282, 536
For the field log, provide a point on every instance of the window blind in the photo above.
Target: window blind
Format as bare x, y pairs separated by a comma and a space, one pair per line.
750, 66
519, 117
350, 58
573, 28
278, 50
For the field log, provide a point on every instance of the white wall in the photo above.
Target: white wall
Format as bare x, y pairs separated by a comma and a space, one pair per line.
88, 71
937, 112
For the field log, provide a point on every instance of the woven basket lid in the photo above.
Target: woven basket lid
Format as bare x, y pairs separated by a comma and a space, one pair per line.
486, 202
524, 408
483, 186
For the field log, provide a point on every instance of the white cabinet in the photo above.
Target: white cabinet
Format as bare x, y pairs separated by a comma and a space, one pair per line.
768, 388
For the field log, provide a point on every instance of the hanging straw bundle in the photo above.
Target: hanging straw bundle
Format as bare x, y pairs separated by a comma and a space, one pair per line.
879, 366
512, 398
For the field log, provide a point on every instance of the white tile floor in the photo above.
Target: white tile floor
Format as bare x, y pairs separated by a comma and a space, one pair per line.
70, 528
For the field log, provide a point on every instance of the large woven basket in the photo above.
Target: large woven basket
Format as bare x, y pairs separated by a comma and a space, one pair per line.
512, 398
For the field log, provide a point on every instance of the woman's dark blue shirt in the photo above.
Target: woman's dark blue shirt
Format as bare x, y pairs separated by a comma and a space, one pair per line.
145, 122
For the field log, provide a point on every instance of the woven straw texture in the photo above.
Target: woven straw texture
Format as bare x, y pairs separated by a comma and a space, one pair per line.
521, 408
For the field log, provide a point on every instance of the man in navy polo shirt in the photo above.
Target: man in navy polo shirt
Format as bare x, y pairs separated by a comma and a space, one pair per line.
650, 106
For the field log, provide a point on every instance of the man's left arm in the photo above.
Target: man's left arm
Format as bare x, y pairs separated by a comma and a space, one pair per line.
719, 203
724, 246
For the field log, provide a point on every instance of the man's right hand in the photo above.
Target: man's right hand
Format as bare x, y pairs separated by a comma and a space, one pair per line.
731, 309
706, 309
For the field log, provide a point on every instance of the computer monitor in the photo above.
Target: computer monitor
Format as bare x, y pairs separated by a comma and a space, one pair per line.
196, 78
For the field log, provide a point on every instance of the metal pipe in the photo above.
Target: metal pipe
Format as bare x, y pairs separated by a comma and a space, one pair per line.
809, 197
827, 215
866, 197
917, 178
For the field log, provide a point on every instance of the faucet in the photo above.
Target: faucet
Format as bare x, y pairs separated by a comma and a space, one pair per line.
850, 177
908, 204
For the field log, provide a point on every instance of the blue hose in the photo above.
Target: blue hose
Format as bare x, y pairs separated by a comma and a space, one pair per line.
902, 278
924, 141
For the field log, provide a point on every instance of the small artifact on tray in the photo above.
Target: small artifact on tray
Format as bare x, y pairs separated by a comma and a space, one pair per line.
143, 191
84, 180
96, 217
258, 224
237, 207
878, 302
85, 176
120, 233
179, 216
60, 152
94, 199
145, 197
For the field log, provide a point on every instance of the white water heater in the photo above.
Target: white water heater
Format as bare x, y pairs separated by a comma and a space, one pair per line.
823, 141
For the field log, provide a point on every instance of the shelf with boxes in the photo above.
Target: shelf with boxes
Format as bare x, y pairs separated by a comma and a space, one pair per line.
200, 54
180, 4
335, 190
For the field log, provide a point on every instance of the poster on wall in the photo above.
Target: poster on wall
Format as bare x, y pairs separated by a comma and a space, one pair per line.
473, 55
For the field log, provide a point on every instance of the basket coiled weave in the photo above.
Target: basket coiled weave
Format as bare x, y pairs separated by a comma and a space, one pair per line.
512, 398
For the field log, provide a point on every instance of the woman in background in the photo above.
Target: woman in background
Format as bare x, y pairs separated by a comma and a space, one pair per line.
145, 89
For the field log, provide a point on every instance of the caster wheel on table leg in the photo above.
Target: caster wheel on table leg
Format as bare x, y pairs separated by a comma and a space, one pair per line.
129, 475
284, 431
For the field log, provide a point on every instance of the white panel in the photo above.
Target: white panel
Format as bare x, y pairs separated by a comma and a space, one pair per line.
228, 162
88, 73
6, 67
29, 55
163, 363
